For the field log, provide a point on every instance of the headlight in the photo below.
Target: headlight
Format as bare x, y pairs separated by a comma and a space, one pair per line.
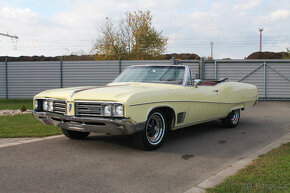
119, 111
45, 105
36, 104
113, 109
50, 106
107, 110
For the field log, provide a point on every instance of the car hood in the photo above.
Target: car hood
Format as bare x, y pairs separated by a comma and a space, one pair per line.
111, 92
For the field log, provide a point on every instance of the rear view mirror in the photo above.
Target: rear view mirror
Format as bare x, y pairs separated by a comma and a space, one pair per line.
196, 82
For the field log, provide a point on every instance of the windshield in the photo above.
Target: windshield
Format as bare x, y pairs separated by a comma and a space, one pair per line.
157, 74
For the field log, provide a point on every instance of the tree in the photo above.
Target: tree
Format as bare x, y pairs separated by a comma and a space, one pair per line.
287, 54
133, 38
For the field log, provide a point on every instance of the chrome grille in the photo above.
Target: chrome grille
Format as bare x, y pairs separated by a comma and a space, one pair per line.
59, 106
88, 109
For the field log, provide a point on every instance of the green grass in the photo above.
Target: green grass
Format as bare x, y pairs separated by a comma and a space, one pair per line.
14, 104
25, 126
268, 173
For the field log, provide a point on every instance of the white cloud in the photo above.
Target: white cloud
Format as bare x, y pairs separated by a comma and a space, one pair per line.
280, 14
17, 14
247, 5
191, 25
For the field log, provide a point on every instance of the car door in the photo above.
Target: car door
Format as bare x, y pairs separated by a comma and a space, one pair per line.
204, 103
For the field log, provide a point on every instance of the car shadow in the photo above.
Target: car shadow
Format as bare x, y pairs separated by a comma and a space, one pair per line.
178, 141
122, 140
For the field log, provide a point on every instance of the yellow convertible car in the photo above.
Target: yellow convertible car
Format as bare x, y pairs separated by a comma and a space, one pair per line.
145, 102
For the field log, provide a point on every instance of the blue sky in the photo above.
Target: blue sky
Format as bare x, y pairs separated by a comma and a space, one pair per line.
51, 27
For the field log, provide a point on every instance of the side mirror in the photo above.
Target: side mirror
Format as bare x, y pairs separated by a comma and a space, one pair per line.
196, 82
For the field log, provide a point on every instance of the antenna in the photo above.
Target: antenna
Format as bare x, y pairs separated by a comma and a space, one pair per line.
12, 38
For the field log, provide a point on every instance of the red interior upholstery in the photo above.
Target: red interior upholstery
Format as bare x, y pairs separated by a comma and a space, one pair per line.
208, 83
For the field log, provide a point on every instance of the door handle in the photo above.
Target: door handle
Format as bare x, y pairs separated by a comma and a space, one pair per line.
215, 90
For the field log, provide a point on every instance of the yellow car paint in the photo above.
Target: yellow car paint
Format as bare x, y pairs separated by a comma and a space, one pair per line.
199, 104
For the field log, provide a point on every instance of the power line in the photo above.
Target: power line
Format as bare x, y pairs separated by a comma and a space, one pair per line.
44, 44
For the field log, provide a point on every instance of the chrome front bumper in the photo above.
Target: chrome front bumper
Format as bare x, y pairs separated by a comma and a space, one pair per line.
110, 126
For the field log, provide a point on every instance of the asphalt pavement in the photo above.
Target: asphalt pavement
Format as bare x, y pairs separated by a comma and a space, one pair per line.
114, 164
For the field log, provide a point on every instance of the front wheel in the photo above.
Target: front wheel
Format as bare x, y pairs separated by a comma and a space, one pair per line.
232, 120
74, 134
153, 134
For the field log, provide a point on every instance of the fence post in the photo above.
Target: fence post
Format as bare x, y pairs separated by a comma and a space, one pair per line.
265, 79
120, 65
6, 78
174, 61
200, 68
61, 73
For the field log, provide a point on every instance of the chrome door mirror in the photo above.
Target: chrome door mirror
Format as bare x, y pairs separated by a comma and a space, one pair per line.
196, 82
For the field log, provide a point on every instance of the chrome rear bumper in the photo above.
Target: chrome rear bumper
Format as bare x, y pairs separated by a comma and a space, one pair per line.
110, 126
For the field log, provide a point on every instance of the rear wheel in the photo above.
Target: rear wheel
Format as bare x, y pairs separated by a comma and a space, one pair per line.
153, 134
74, 134
232, 120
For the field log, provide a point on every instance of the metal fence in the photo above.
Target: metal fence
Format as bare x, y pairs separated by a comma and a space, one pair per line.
25, 79
272, 77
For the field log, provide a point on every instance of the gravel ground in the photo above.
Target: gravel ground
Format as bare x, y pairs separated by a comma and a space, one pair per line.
13, 112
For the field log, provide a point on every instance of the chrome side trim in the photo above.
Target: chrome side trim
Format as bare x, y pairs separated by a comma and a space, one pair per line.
197, 122
189, 102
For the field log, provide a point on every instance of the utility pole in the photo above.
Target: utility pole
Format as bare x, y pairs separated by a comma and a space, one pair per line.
261, 29
211, 49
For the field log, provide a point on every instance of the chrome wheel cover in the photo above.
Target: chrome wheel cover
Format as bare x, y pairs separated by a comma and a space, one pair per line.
235, 116
155, 128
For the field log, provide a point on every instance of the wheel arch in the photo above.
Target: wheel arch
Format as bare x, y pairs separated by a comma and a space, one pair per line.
167, 110
241, 107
